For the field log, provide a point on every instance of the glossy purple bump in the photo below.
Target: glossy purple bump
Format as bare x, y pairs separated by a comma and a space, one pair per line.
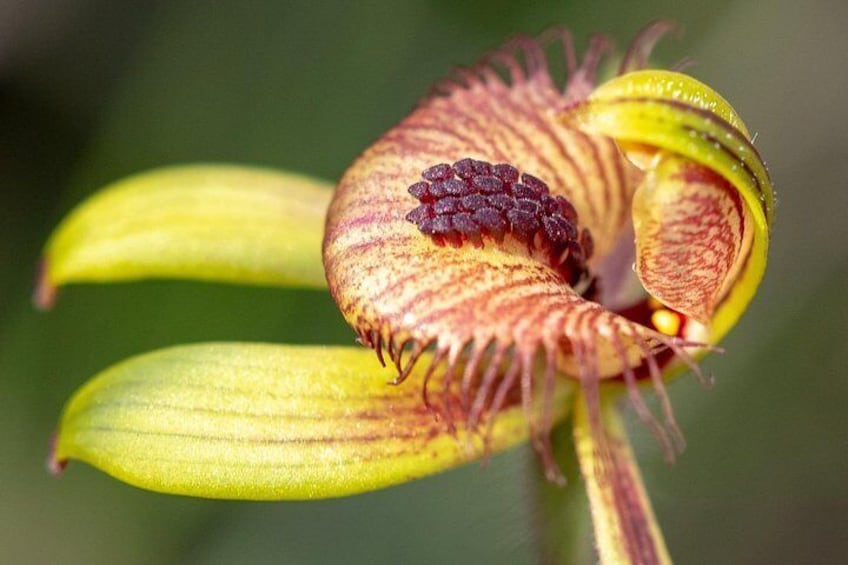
447, 205
530, 206
464, 168
490, 220
438, 190
484, 213
420, 213
425, 225
488, 184
472, 200
438, 172
481, 168
567, 210
463, 223
550, 204
420, 190
506, 173
501, 201
442, 224
568, 227
554, 231
587, 243
456, 187
523, 222
523, 191
535, 183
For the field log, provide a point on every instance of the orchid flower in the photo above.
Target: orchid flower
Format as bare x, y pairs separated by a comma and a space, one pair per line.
518, 253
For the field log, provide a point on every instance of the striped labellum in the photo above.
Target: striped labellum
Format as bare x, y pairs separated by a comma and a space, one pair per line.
526, 232
520, 249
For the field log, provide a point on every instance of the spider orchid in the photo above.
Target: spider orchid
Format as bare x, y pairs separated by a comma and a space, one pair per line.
516, 252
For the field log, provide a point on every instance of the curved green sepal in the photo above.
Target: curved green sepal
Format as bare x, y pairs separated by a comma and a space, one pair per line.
657, 85
263, 422
211, 222
654, 113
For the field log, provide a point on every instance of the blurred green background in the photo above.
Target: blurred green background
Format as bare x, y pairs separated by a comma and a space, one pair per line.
92, 90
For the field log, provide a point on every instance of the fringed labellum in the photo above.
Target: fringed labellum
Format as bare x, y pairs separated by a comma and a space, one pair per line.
518, 246
495, 226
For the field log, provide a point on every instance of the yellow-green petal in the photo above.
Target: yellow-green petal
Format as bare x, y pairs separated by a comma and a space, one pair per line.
653, 114
222, 223
265, 422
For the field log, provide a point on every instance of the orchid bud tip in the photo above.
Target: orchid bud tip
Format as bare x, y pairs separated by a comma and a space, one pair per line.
44, 293
55, 466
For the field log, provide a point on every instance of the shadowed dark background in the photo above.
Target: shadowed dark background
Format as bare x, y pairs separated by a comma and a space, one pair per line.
92, 90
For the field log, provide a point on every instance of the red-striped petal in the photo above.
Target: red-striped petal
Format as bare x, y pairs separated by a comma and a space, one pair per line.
689, 224
491, 307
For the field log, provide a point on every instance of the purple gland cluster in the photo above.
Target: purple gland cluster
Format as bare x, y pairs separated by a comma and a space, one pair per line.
472, 199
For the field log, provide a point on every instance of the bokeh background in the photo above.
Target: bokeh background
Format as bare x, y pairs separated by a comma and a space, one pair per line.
92, 90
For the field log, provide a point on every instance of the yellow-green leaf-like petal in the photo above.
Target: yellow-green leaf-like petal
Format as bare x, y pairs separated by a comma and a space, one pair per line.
211, 222
653, 114
658, 84
262, 422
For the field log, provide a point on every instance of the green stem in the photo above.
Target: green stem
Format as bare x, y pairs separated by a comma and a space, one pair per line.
564, 536
626, 530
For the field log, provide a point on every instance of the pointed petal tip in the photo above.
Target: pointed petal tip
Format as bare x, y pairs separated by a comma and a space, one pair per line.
55, 465
44, 293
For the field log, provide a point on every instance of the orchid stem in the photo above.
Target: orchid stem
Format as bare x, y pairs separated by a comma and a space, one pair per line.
563, 530
626, 530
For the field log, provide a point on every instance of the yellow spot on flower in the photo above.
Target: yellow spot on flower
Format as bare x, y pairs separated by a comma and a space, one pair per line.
666, 321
